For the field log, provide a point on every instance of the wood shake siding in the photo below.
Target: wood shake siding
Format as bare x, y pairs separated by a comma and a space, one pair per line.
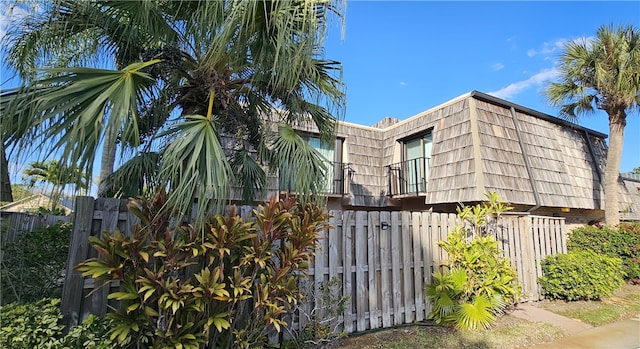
483, 144
503, 159
452, 170
363, 153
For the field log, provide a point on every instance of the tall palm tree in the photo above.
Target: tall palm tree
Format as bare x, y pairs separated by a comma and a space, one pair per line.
6, 195
603, 73
57, 175
207, 97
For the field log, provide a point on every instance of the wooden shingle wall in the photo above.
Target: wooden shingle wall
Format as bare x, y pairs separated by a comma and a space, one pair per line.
544, 152
630, 211
502, 158
363, 153
453, 167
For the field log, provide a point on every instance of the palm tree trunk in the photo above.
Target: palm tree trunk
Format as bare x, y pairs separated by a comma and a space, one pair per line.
612, 171
107, 162
5, 182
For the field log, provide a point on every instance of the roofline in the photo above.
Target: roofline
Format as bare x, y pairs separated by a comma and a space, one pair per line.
495, 100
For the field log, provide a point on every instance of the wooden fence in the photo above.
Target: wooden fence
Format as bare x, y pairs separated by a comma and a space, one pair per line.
383, 260
13, 223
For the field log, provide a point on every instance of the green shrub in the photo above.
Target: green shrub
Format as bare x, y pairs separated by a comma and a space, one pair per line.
580, 275
480, 283
225, 283
622, 242
32, 325
37, 325
32, 265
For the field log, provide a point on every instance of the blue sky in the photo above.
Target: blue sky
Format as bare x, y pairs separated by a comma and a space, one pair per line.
404, 57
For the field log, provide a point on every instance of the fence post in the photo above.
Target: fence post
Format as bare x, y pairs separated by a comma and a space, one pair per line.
72, 291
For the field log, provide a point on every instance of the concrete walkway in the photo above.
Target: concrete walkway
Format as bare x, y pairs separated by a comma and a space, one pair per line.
624, 334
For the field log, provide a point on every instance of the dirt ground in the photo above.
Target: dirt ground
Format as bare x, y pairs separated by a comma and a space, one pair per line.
508, 332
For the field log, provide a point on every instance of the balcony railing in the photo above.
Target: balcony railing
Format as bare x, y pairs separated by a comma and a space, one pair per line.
337, 181
408, 177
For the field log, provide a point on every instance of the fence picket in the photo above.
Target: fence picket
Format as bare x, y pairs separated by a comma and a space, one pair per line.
372, 260
417, 266
361, 264
347, 248
395, 268
385, 264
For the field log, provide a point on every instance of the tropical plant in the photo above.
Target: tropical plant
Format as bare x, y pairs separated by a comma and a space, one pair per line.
478, 283
603, 73
32, 264
37, 325
212, 89
226, 284
58, 175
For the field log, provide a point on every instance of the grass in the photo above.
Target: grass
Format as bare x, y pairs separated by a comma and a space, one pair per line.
624, 303
508, 333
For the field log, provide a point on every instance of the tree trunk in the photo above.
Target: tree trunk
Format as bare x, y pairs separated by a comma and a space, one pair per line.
5, 181
107, 161
612, 171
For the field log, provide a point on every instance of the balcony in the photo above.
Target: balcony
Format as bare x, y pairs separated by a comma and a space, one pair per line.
337, 180
408, 178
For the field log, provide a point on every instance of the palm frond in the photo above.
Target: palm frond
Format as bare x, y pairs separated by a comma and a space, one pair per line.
136, 177
251, 175
71, 113
302, 168
478, 314
195, 165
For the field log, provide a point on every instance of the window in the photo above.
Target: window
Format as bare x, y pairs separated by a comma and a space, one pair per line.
415, 165
332, 154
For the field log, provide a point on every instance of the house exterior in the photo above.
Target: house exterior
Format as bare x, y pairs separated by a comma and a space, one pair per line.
469, 146
34, 202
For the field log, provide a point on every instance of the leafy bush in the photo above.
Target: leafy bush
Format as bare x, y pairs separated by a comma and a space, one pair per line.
224, 283
27, 326
479, 283
37, 325
622, 242
32, 265
580, 275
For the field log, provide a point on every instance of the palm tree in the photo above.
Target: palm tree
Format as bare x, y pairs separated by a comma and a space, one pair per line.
54, 173
6, 195
603, 73
207, 93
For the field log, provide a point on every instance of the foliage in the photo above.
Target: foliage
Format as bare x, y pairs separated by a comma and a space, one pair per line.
58, 211
602, 73
323, 319
198, 86
37, 325
27, 326
580, 275
20, 191
224, 283
622, 242
479, 283
32, 264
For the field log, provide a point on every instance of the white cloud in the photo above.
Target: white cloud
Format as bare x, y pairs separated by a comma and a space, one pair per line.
497, 66
548, 48
402, 83
10, 13
517, 87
